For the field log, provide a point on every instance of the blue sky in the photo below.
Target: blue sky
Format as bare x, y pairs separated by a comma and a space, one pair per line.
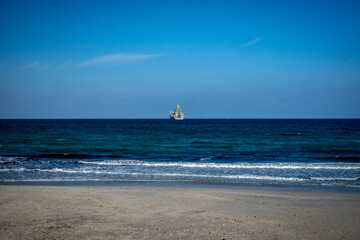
217, 59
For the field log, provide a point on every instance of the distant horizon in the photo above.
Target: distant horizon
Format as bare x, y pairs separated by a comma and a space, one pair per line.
177, 120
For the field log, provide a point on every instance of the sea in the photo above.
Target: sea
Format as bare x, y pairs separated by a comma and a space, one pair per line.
277, 152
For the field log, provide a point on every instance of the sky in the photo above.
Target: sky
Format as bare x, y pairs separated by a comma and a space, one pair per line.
217, 59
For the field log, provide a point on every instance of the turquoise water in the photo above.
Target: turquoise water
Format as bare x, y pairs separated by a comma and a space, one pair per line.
320, 152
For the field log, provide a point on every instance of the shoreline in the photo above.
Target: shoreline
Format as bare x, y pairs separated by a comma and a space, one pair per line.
175, 212
189, 184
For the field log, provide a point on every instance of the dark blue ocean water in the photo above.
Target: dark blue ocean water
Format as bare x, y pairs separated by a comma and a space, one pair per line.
261, 151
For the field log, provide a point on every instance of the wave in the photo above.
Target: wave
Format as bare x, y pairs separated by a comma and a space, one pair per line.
243, 176
65, 155
15, 170
294, 166
86, 180
334, 179
254, 177
8, 160
56, 170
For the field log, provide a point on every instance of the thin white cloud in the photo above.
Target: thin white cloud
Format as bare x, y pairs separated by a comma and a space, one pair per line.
64, 64
257, 39
46, 66
30, 65
116, 58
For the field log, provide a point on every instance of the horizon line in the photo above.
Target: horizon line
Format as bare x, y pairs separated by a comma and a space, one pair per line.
222, 118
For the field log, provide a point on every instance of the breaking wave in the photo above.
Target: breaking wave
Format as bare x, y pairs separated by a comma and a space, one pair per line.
314, 166
8, 160
207, 176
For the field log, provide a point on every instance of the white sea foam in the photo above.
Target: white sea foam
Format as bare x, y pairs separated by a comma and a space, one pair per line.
85, 171
334, 179
14, 170
10, 159
338, 184
85, 180
243, 176
81, 171
294, 166
55, 180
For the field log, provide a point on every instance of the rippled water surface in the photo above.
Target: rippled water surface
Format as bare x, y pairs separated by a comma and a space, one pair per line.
304, 152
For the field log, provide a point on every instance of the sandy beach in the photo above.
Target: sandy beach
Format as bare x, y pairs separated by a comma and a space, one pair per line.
151, 212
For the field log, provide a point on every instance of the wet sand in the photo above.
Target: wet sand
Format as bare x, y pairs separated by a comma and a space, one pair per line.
150, 212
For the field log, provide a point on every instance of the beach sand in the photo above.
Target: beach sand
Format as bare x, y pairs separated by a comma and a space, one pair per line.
158, 212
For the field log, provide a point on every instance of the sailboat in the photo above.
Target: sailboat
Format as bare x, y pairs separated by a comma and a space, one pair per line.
177, 114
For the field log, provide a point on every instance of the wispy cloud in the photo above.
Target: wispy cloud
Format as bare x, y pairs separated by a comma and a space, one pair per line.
255, 40
64, 64
46, 66
116, 58
30, 65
